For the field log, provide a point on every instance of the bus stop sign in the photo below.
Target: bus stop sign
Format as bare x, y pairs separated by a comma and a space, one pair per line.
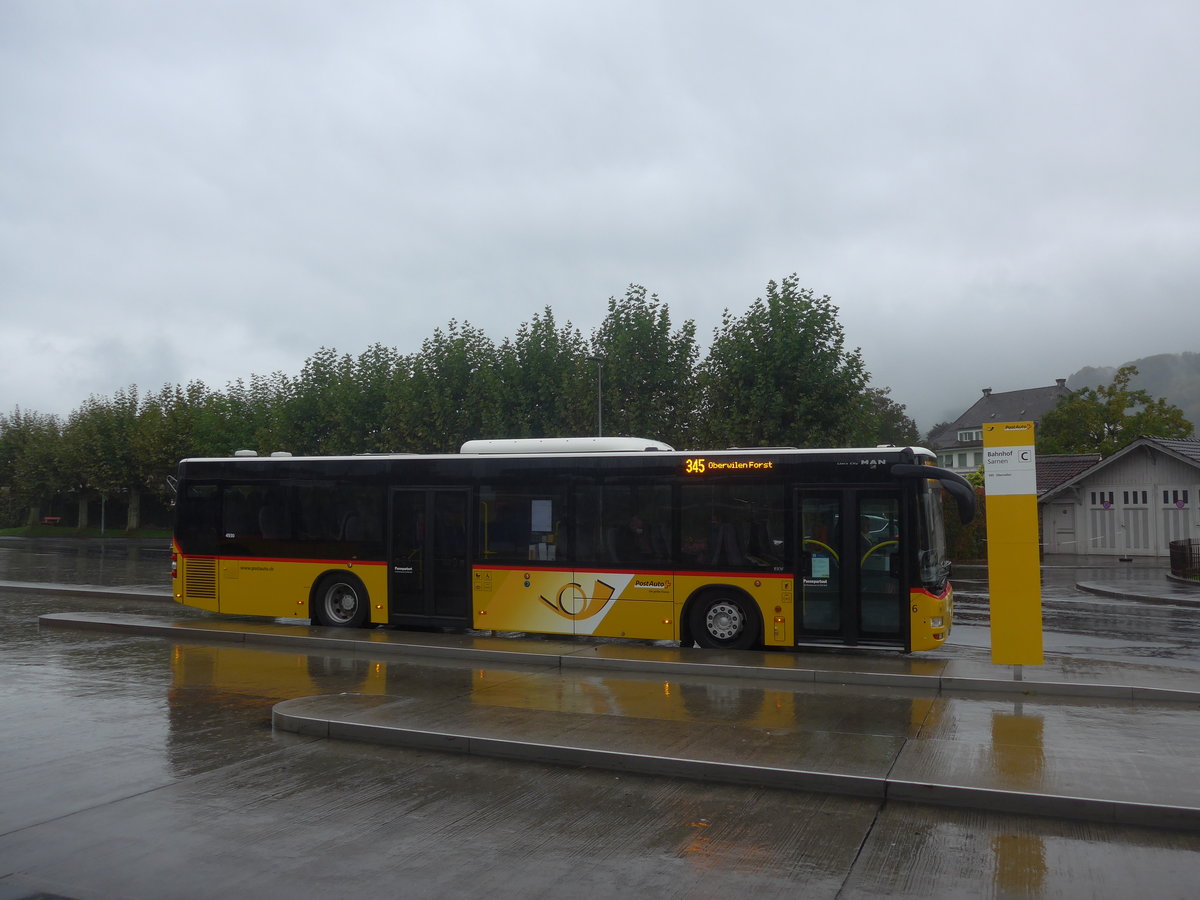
1014, 570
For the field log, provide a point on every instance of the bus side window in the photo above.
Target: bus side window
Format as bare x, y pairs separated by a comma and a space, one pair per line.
198, 517
273, 517
360, 517
588, 537
240, 510
733, 525
623, 523
519, 523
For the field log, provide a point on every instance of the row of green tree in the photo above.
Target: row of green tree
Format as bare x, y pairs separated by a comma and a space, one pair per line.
778, 374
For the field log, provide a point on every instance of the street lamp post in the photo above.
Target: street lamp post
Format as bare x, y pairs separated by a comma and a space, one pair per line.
599, 361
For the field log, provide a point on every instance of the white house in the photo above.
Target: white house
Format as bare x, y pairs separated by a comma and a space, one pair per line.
959, 444
1134, 503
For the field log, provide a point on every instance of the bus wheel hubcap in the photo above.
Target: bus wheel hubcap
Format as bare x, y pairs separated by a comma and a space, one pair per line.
342, 603
724, 621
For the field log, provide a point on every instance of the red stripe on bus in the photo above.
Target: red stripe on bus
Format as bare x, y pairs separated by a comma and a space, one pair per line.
284, 559
601, 570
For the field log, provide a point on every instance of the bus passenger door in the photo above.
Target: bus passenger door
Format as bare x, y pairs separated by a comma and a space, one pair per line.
849, 577
820, 571
882, 598
430, 581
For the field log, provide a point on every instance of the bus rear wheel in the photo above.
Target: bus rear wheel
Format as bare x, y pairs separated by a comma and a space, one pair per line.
341, 601
724, 621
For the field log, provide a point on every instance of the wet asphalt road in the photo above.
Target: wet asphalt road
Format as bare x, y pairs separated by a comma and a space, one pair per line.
1083, 624
138, 767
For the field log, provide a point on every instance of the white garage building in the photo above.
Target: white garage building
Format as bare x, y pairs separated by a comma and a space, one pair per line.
1134, 503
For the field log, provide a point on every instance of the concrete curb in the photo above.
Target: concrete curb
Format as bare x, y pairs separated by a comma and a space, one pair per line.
1179, 595
86, 590
286, 716
292, 716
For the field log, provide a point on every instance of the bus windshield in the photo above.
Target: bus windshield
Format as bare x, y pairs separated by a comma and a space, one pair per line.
933, 565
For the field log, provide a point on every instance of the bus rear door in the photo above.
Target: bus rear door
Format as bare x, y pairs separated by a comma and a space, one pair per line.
430, 581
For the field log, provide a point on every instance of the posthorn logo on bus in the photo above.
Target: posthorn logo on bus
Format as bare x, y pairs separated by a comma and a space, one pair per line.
573, 602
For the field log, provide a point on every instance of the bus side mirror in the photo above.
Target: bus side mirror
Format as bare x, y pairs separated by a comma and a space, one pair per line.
960, 489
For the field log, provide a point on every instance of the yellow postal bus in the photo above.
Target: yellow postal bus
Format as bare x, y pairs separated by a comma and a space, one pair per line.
606, 537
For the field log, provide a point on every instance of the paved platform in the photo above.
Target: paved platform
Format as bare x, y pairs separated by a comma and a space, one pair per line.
1077, 739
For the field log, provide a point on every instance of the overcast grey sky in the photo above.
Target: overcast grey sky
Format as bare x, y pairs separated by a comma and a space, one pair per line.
994, 194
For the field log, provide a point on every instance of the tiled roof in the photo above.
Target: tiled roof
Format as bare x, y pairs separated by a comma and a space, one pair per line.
1184, 447
1187, 449
1055, 468
1028, 405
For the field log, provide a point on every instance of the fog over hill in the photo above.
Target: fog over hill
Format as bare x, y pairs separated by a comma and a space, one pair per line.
1175, 377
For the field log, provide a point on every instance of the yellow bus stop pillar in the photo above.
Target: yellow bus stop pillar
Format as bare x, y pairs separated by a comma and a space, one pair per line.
1014, 564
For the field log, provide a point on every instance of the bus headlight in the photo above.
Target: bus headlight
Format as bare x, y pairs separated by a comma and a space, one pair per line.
936, 622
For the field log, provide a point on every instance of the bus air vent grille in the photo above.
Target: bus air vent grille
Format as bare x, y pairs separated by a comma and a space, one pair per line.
201, 578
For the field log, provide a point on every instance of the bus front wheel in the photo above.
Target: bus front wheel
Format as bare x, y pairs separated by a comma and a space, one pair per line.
340, 600
724, 621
